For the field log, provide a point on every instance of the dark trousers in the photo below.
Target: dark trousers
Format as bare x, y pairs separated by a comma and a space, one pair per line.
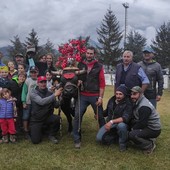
52, 124
143, 137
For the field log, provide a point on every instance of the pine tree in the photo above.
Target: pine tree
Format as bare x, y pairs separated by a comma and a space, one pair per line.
161, 45
135, 43
17, 47
49, 47
33, 40
109, 37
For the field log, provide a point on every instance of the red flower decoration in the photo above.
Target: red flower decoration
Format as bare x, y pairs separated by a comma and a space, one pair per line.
71, 53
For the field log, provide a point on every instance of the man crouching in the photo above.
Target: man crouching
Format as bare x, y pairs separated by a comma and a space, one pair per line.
119, 111
43, 103
145, 125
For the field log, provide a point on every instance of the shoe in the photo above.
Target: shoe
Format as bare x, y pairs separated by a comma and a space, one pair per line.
27, 136
77, 145
5, 139
53, 139
12, 138
122, 148
150, 150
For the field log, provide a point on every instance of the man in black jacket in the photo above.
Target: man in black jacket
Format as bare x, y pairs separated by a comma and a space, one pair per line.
43, 104
119, 111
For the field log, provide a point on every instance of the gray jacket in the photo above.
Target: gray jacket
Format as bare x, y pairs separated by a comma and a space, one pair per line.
153, 121
154, 72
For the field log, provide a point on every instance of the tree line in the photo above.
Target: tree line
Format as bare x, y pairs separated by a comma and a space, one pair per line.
109, 37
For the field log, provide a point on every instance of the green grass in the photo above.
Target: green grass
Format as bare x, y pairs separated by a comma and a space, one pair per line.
91, 156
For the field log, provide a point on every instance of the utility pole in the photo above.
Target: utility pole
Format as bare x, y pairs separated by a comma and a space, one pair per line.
126, 6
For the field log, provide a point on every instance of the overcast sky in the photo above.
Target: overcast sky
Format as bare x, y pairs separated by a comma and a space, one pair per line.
60, 20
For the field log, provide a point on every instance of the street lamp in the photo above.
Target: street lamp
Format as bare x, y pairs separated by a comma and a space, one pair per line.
126, 6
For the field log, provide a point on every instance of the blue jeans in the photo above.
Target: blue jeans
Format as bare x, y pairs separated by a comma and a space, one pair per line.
121, 131
26, 113
84, 102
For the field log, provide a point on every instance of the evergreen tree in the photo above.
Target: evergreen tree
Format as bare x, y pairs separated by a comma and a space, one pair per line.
109, 37
161, 45
49, 47
17, 47
33, 40
135, 43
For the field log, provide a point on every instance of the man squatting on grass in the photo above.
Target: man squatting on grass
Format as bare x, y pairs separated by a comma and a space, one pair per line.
119, 111
43, 103
145, 124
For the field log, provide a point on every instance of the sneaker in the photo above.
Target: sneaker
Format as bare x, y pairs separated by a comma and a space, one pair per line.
122, 148
150, 150
12, 138
77, 145
53, 139
5, 139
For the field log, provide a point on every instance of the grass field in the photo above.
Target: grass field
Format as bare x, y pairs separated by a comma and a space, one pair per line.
91, 156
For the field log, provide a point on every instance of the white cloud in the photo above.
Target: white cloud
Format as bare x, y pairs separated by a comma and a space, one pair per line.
60, 20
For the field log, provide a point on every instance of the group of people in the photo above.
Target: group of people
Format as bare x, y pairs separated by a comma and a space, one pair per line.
130, 114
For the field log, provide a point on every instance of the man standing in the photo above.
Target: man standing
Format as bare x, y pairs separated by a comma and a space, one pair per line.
43, 104
130, 73
154, 72
145, 125
92, 93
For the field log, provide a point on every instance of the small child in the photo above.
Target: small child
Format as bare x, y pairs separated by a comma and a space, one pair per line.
7, 114
49, 79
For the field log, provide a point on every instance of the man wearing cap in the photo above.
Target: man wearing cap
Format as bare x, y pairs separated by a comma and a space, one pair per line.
130, 73
154, 72
43, 104
119, 111
30, 59
145, 124
19, 59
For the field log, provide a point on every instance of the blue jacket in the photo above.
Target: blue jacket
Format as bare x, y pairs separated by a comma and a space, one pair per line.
6, 109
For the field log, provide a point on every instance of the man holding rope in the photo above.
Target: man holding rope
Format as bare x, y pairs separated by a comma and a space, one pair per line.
91, 93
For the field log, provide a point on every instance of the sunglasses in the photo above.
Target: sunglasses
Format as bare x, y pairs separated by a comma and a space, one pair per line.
43, 81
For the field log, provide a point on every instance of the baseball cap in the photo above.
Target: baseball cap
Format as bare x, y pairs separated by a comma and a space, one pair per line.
148, 49
41, 78
19, 54
33, 68
136, 89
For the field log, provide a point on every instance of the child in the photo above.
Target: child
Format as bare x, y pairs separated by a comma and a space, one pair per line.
7, 113
15, 86
49, 79
12, 70
21, 68
29, 84
4, 81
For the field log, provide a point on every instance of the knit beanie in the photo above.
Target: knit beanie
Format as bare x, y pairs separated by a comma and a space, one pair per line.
4, 68
123, 89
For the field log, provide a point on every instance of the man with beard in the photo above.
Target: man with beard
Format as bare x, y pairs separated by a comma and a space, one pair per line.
119, 111
145, 124
91, 94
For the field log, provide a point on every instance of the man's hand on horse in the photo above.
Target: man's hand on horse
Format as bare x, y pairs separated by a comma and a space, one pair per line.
58, 91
